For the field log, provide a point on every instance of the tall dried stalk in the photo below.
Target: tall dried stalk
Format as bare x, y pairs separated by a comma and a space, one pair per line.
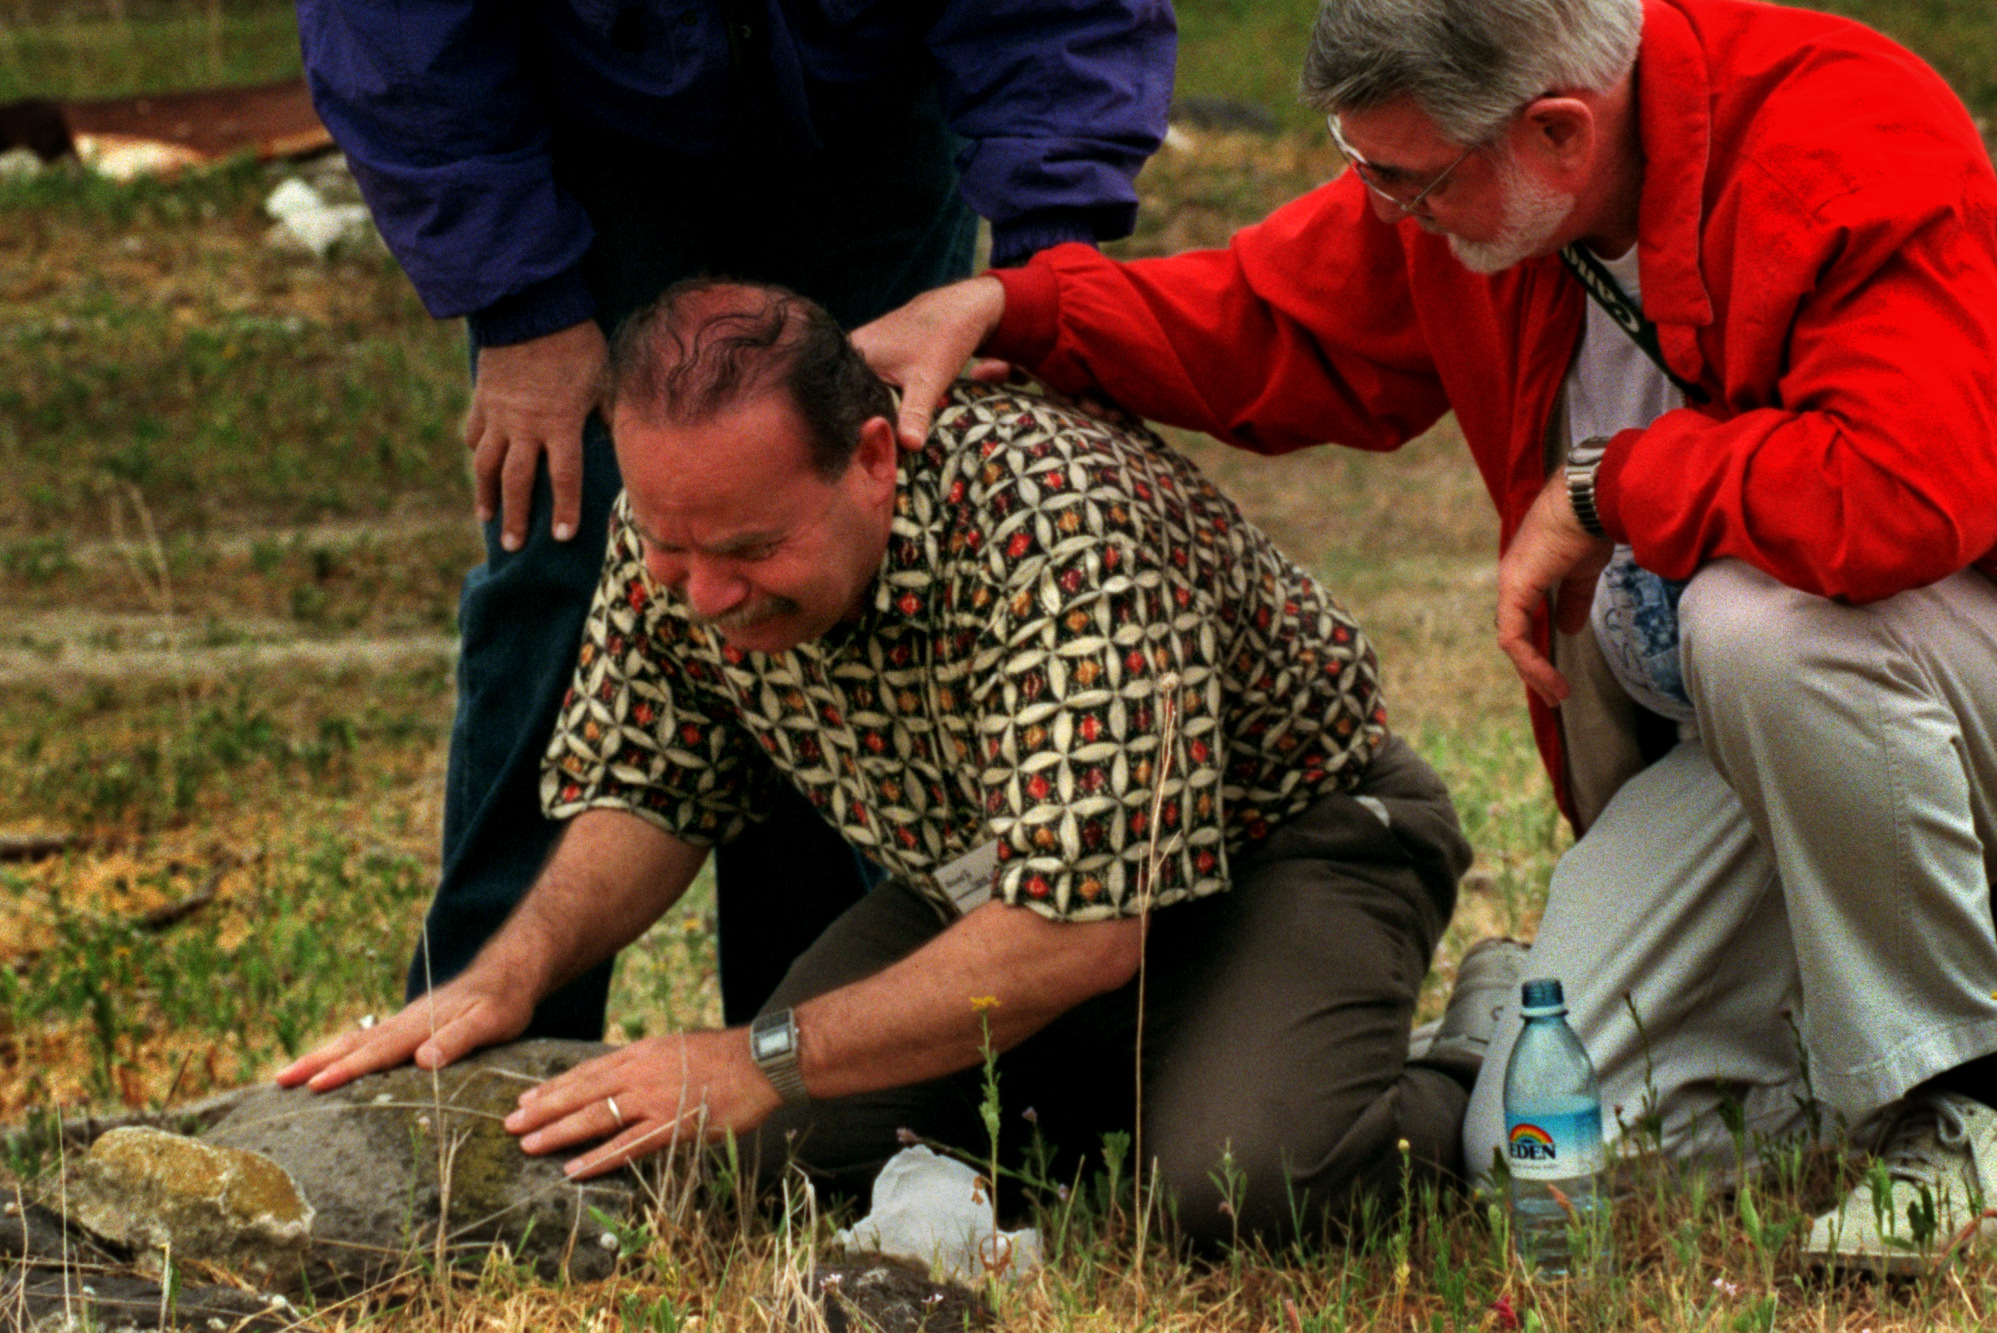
447, 1147
797, 1262
156, 585
1154, 857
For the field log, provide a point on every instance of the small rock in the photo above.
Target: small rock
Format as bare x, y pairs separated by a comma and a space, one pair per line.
125, 158
881, 1293
157, 1192
332, 178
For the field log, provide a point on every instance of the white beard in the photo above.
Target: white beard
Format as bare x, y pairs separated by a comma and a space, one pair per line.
1533, 215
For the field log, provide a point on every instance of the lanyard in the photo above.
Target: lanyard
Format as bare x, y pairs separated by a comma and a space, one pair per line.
1601, 284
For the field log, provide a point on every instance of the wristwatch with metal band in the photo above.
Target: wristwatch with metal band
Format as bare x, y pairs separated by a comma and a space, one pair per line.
773, 1046
1582, 462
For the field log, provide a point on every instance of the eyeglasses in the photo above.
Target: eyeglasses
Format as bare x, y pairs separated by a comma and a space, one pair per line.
1373, 177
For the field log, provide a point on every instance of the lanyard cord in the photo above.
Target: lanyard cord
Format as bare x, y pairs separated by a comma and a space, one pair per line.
1601, 285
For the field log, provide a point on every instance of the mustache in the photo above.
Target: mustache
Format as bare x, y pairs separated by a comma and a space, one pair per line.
759, 612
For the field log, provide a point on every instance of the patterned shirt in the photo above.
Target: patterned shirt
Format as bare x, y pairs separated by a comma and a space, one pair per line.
1055, 583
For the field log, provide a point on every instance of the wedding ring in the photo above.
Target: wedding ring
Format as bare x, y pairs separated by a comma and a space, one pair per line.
615, 1114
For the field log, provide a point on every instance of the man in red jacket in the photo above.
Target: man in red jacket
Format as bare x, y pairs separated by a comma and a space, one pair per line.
1748, 495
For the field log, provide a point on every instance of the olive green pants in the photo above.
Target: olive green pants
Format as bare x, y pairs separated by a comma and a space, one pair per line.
1275, 1029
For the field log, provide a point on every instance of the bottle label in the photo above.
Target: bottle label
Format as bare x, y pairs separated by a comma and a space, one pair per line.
1555, 1146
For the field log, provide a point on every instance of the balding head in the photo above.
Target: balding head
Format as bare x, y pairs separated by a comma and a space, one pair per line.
709, 344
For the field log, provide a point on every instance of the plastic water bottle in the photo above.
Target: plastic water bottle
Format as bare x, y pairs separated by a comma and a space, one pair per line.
1553, 1140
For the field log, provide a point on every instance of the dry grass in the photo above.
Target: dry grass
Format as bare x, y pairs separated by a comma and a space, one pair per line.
1689, 1260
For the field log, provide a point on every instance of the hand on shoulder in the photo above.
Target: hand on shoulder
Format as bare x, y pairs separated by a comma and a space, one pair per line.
922, 347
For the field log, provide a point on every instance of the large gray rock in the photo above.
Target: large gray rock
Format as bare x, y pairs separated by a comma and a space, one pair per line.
381, 1160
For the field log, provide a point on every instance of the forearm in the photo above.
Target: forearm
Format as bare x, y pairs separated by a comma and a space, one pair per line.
916, 1019
911, 1022
1237, 343
1858, 505
611, 876
1851, 451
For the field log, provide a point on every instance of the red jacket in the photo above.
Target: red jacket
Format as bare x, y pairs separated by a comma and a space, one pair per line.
1817, 244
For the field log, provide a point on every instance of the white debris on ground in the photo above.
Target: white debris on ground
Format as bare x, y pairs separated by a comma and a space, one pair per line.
125, 158
936, 1211
307, 221
19, 163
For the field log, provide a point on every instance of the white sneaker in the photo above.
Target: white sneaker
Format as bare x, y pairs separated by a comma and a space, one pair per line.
1930, 1190
1486, 980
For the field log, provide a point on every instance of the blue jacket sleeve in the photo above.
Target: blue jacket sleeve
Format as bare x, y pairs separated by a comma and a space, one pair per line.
1061, 102
449, 143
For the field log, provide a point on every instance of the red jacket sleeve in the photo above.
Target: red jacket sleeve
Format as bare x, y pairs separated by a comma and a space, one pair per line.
1241, 343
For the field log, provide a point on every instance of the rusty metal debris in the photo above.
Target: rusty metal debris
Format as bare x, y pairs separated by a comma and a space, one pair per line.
159, 133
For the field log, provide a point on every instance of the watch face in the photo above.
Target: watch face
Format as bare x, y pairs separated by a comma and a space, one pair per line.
773, 1037
773, 1046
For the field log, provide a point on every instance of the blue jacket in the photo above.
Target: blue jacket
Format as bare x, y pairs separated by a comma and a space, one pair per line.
447, 109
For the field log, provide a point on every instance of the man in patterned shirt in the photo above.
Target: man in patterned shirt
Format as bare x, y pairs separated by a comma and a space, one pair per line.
1112, 748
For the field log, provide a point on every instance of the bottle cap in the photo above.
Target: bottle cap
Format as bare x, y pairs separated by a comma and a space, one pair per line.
1541, 997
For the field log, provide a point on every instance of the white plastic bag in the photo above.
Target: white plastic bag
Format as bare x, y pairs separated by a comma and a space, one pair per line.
306, 221
936, 1211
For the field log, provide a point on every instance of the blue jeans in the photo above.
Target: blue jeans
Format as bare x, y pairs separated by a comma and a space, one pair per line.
861, 225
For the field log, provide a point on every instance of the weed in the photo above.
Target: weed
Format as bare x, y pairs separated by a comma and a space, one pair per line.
991, 1111
1648, 1126
1231, 1181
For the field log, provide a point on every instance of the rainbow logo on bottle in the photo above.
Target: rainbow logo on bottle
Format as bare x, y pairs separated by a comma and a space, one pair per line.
1552, 1142
1530, 1143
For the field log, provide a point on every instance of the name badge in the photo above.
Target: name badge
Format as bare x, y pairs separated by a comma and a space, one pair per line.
968, 879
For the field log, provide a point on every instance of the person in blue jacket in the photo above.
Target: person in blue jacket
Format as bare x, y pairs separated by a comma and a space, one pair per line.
544, 171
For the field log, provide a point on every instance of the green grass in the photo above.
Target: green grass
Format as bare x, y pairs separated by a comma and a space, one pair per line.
1250, 50
1254, 49
122, 1014
1957, 37
79, 51
153, 341
274, 807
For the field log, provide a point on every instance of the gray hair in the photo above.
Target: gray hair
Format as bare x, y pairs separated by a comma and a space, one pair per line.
1469, 64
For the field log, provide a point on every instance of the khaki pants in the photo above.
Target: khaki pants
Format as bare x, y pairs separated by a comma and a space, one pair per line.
1276, 1027
1809, 870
